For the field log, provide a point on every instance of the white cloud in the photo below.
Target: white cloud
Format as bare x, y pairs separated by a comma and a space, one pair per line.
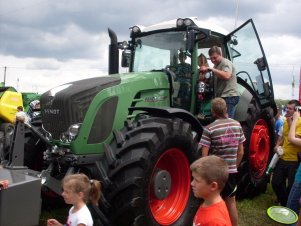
284, 58
286, 92
52, 42
283, 49
39, 75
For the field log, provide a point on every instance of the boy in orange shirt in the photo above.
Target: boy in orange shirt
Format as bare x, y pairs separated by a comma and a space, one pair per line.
210, 175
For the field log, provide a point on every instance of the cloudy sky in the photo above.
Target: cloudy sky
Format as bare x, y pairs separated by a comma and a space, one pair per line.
44, 43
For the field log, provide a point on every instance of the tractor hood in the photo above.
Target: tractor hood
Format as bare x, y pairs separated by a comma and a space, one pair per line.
67, 104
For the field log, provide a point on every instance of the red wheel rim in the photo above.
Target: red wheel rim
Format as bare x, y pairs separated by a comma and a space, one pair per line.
168, 210
259, 148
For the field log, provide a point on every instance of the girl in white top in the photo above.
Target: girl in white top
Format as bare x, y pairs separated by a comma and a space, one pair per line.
77, 190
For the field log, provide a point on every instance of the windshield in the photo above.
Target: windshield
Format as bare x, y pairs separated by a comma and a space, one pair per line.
156, 51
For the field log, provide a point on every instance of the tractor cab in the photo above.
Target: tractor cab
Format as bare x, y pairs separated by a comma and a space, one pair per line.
244, 49
174, 46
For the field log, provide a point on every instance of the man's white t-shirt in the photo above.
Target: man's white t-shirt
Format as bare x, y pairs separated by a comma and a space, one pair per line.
82, 216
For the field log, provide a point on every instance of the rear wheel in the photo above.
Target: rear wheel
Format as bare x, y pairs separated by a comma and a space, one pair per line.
150, 175
258, 129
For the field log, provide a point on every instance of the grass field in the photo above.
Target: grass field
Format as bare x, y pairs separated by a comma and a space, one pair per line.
252, 212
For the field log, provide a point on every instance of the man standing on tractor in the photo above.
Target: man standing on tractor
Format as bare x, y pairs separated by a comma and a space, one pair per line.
224, 137
225, 80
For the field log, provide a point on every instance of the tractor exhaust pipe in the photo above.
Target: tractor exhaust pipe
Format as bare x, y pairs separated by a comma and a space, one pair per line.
113, 53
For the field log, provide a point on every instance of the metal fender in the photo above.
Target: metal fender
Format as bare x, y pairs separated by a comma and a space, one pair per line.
167, 112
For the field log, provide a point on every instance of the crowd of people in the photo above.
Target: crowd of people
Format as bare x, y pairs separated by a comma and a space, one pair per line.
286, 177
224, 138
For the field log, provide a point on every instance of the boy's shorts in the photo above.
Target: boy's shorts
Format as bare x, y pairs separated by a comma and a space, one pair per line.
230, 187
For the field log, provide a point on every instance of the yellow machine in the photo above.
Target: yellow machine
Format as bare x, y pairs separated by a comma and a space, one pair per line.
9, 101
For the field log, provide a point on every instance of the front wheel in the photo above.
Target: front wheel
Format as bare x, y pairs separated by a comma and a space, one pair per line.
148, 166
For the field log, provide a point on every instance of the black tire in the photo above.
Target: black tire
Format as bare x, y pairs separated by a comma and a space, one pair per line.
258, 148
133, 159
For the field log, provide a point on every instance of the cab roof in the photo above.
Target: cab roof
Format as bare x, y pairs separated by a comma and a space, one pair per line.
173, 23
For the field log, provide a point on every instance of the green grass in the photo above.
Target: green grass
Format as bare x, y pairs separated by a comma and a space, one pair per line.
60, 214
251, 212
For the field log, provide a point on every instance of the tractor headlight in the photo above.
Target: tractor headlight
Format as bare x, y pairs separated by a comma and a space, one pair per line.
135, 30
180, 22
188, 22
71, 133
73, 130
184, 22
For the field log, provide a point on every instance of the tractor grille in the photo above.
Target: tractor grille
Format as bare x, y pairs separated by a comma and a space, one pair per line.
67, 104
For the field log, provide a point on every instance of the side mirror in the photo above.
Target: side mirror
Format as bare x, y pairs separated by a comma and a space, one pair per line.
126, 58
234, 41
261, 64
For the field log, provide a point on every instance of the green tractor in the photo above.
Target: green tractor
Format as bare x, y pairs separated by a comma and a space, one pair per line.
135, 132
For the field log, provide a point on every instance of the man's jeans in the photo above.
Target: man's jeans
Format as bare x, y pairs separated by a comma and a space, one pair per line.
283, 179
231, 103
293, 198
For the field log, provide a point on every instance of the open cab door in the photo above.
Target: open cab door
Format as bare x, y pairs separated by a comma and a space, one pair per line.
252, 69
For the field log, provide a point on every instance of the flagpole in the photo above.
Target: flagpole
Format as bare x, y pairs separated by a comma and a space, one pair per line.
293, 90
236, 13
293, 83
300, 85
4, 80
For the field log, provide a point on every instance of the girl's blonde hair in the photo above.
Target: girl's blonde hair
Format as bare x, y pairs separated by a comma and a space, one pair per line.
81, 183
